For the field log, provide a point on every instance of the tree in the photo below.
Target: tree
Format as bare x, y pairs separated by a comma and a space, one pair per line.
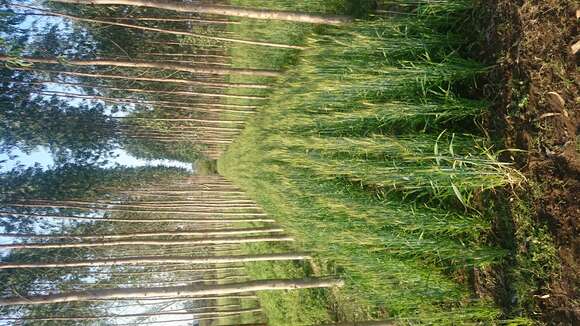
221, 10
173, 292
161, 259
149, 64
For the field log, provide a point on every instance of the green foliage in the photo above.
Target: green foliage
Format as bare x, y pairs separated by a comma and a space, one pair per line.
77, 181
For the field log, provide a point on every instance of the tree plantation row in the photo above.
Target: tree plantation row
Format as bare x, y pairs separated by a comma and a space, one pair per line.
106, 258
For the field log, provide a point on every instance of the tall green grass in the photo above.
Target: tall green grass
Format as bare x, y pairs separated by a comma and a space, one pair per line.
369, 153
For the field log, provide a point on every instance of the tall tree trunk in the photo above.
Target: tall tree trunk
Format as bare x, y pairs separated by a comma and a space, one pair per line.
228, 240
140, 220
172, 292
160, 313
153, 19
222, 10
175, 19
196, 214
154, 80
127, 101
142, 283
160, 54
145, 91
169, 270
145, 234
184, 207
196, 298
151, 65
161, 260
243, 113
161, 203
165, 31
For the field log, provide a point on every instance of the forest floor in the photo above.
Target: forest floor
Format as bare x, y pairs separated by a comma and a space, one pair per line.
535, 91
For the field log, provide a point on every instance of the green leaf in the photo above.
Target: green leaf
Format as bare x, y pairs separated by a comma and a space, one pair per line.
459, 195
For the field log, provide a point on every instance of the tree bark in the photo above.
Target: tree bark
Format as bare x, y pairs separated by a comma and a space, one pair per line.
151, 65
175, 19
146, 284
154, 80
160, 313
222, 10
161, 260
165, 31
191, 212
145, 234
228, 240
186, 55
129, 220
145, 91
154, 19
216, 207
172, 292
195, 298
188, 270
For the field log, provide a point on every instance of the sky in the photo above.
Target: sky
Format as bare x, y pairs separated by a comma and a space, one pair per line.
42, 157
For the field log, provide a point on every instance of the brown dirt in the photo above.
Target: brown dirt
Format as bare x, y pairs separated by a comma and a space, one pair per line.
535, 86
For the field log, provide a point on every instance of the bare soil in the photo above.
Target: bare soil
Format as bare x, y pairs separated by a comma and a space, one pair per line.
535, 91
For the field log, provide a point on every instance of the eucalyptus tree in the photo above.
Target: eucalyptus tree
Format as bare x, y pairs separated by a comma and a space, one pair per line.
221, 10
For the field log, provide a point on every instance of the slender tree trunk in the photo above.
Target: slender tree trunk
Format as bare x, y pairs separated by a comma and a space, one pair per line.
179, 205
161, 313
154, 80
175, 19
181, 212
117, 100
192, 141
151, 65
194, 298
164, 31
134, 220
160, 54
145, 91
161, 203
145, 234
172, 292
154, 19
185, 192
145, 208
222, 10
169, 270
161, 260
142, 283
228, 240
230, 122
242, 113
